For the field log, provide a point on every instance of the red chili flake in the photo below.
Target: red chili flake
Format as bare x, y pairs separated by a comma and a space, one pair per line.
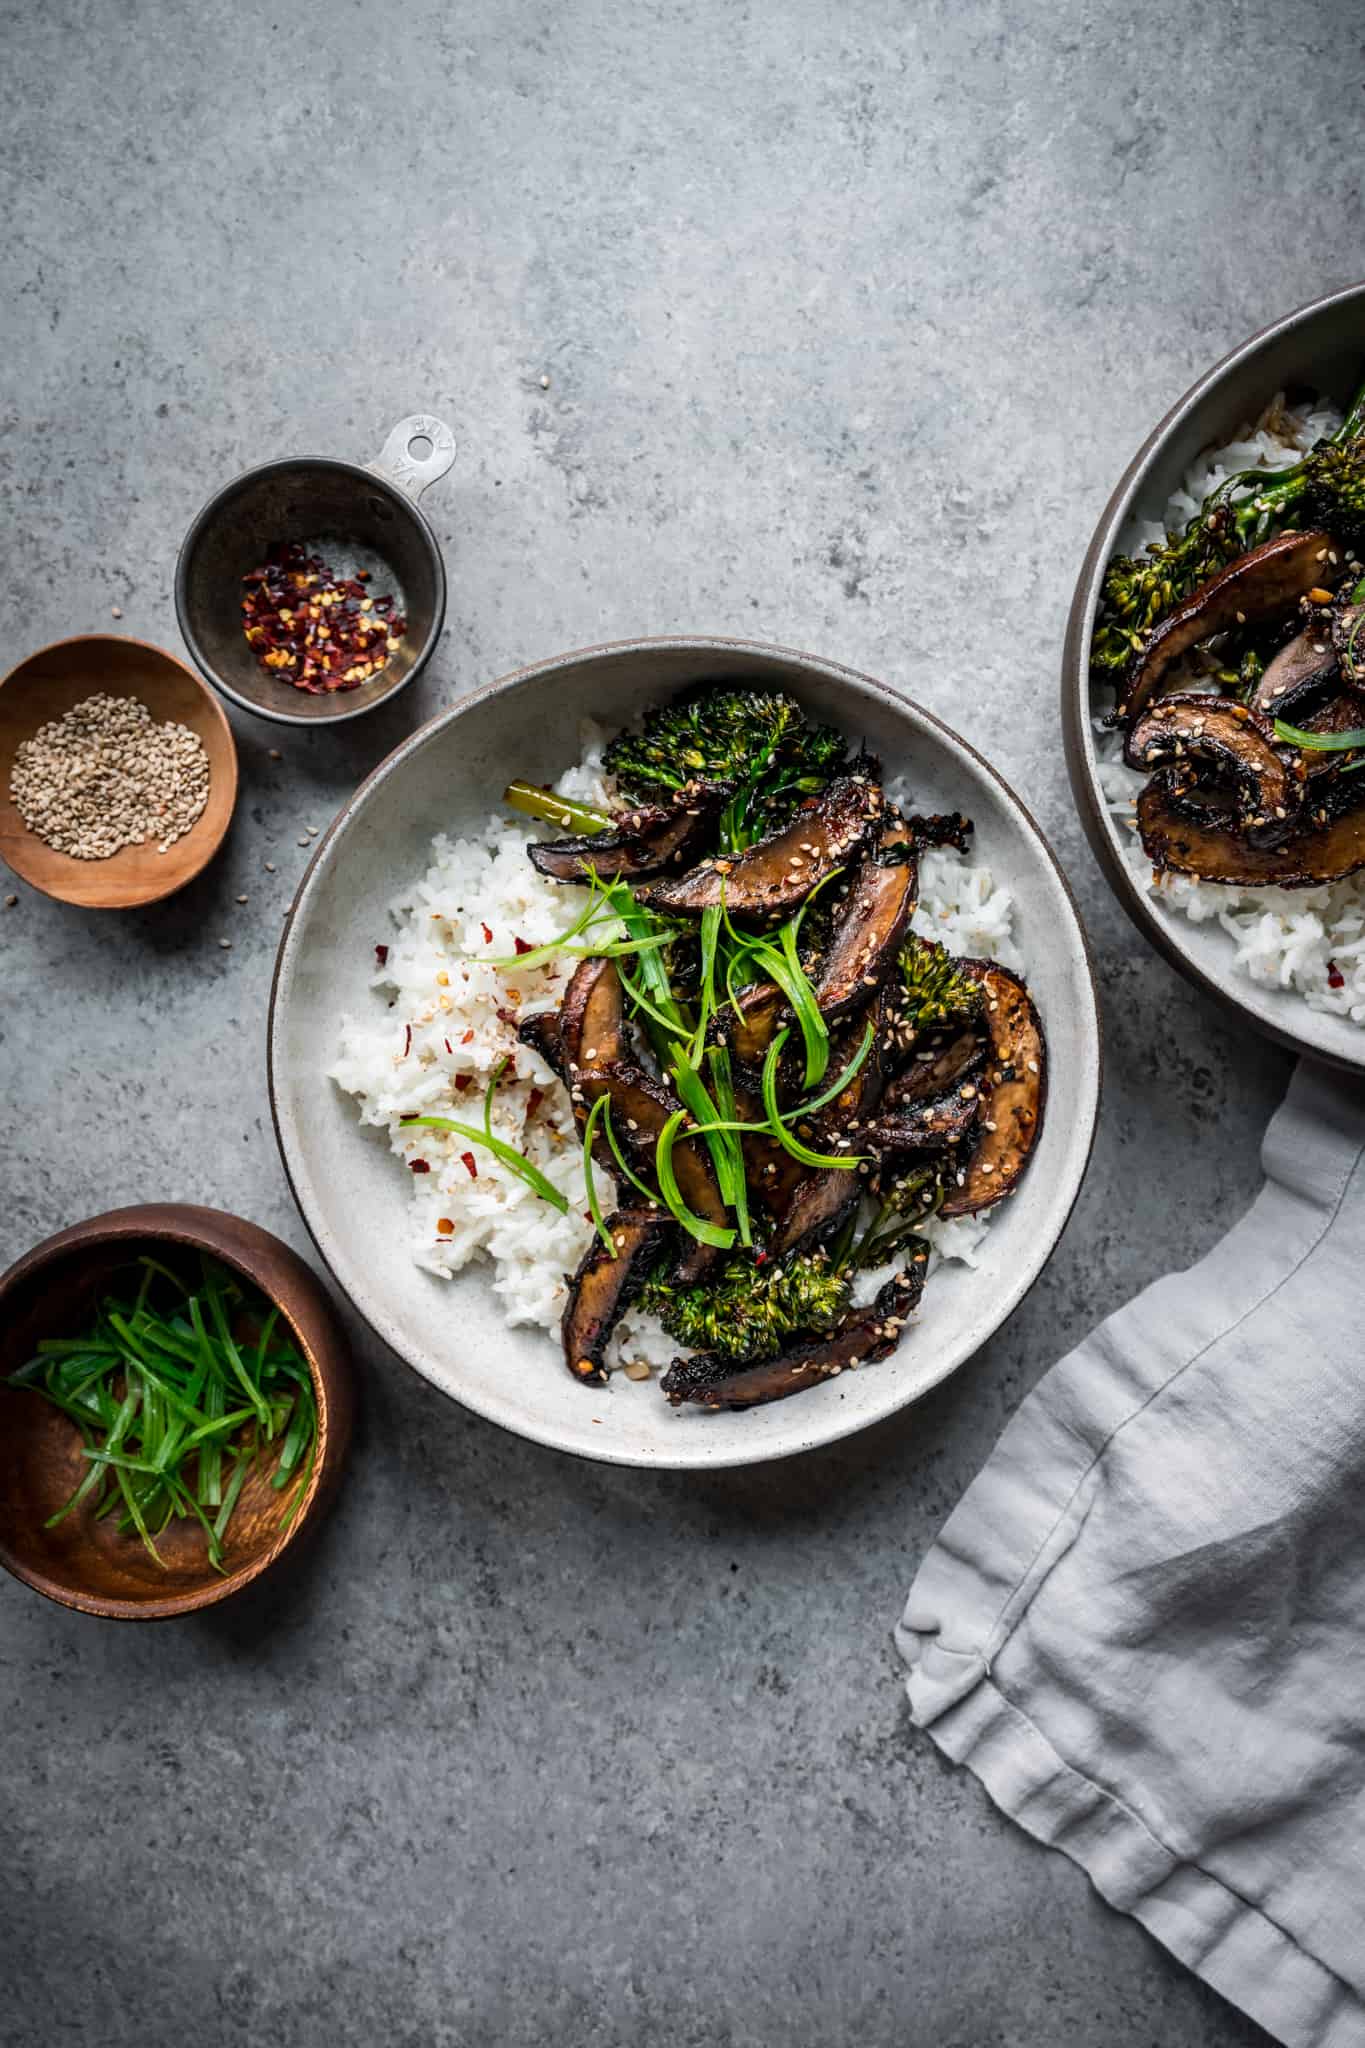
487, 935
462, 1082
522, 947
448, 1046
381, 954
468, 1038
313, 627
445, 1226
419, 1166
505, 1016
537, 1096
760, 1258
1335, 977
407, 1040
467, 1159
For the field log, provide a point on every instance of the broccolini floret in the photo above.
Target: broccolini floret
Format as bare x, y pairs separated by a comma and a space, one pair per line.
750, 1308
1325, 488
758, 743
936, 988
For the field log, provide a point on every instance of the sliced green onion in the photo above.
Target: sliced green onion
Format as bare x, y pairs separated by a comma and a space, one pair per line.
695, 1226
620, 1157
514, 1161
691, 1090
595, 1207
1320, 742
723, 1089
836, 1087
845, 1162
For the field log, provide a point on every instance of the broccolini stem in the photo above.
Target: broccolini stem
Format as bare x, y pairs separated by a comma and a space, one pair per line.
534, 802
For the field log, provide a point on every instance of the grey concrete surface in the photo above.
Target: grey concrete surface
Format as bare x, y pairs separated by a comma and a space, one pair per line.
851, 317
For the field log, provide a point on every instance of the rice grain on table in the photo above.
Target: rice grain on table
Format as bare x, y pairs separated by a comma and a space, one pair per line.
1309, 940
442, 1021
108, 775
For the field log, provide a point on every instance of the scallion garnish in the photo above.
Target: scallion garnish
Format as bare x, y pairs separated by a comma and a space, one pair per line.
1320, 742
845, 1161
695, 1226
589, 1181
620, 1157
515, 1162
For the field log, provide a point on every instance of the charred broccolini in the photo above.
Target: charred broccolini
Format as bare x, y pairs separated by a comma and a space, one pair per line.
1326, 488
749, 1308
936, 988
758, 743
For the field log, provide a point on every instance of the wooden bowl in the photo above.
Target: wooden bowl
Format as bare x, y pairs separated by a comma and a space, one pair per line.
48, 684
85, 1563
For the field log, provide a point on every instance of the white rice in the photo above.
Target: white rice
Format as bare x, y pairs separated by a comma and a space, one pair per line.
1299, 939
440, 1017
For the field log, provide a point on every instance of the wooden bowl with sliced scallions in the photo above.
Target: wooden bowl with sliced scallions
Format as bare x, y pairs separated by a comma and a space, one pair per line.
176, 1397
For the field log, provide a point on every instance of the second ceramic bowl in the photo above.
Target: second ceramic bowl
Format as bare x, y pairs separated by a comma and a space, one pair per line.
350, 1188
1319, 350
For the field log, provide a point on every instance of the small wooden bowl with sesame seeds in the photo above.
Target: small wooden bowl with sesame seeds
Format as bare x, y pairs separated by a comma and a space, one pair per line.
42, 690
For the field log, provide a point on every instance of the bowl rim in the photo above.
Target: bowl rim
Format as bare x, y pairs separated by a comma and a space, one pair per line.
1077, 737
192, 1224
225, 731
210, 509
525, 677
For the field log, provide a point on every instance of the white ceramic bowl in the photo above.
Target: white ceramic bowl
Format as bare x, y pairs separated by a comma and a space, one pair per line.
1321, 348
448, 777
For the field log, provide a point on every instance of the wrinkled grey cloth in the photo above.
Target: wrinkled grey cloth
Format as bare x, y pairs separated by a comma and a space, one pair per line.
1144, 1626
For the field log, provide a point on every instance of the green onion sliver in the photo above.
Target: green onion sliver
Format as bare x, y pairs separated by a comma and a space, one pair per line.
619, 1156
514, 1161
846, 1162
595, 1207
1320, 742
695, 1226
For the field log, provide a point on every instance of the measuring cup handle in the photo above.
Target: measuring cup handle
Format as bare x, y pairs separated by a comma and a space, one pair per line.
413, 473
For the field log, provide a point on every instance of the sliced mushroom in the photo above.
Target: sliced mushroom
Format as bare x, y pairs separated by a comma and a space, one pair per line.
639, 844
1239, 747
873, 920
864, 1335
541, 1032
925, 1126
947, 1056
1303, 668
1258, 585
1013, 1086
604, 1286
777, 874
592, 1018
1327, 845
640, 1107
749, 1024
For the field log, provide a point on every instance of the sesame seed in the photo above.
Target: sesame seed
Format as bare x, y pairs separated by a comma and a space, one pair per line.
108, 775
226, 945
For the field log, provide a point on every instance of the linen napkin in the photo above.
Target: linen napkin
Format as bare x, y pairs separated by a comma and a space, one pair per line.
1144, 1626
